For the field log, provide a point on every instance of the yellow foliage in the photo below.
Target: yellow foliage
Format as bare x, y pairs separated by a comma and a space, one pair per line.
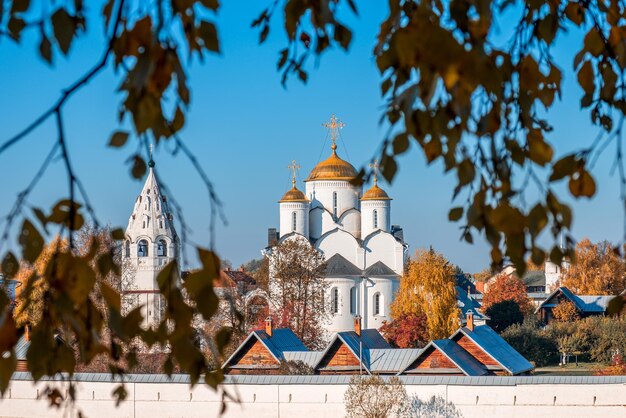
428, 287
29, 294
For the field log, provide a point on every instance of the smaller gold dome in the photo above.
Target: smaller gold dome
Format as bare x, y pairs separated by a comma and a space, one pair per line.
375, 193
333, 168
293, 195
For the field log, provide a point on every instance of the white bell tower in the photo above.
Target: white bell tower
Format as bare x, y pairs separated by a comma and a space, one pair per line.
151, 243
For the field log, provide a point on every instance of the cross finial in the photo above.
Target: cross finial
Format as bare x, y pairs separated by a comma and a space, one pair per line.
333, 126
294, 167
374, 166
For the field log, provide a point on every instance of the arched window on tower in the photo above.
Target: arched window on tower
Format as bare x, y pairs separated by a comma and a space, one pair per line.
146, 221
334, 300
160, 222
377, 304
127, 248
293, 222
353, 300
375, 220
335, 204
162, 248
147, 206
142, 248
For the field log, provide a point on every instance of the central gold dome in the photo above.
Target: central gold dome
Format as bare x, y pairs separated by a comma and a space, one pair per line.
333, 168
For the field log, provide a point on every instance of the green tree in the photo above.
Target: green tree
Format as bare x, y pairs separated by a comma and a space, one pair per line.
428, 288
504, 314
532, 342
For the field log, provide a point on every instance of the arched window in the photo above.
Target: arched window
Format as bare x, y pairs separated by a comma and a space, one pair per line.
293, 221
353, 300
127, 248
162, 248
142, 248
146, 221
335, 204
147, 202
334, 300
375, 216
377, 304
160, 222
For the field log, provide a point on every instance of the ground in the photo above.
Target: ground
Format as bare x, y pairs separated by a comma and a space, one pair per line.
583, 369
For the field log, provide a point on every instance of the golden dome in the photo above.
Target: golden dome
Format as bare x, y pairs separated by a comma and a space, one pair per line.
293, 195
333, 168
375, 193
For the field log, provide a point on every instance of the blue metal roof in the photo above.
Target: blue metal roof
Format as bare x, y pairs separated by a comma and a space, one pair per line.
584, 303
498, 349
310, 358
463, 360
282, 339
466, 303
391, 359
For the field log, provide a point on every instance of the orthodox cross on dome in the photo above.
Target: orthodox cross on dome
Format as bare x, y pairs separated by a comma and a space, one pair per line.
294, 167
374, 166
333, 126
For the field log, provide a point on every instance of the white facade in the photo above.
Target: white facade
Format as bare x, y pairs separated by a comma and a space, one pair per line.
151, 243
343, 221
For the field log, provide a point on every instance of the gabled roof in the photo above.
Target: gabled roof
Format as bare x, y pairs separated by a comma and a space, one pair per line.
379, 269
455, 353
282, 340
360, 347
495, 347
534, 278
584, 303
337, 265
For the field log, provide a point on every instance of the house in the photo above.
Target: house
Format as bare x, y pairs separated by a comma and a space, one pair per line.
263, 351
473, 350
586, 305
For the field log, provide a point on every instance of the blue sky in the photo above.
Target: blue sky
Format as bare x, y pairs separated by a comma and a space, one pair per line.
245, 128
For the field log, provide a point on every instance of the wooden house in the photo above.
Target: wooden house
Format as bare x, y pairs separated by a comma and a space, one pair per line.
586, 305
263, 351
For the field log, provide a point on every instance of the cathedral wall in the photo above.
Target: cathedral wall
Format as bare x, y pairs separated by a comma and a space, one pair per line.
343, 319
321, 193
301, 210
384, 247
341, 242
371, 222
351, 221
386, 288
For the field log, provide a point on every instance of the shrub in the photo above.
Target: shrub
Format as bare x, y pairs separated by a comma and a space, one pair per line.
532, 342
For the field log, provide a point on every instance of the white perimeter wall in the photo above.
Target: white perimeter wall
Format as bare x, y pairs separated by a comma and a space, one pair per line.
307, 400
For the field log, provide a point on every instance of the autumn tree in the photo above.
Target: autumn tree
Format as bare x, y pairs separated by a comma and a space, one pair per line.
428, 288
297, 290
407, 331
374, 397
508, 287
565, 311
598, 269
29, 295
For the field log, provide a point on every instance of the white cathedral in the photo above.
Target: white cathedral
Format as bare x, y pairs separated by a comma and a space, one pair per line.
151, 243
365, 254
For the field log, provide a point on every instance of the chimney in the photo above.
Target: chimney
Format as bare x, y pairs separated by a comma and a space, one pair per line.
268, 326
469, 320
27, 333
357, 325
